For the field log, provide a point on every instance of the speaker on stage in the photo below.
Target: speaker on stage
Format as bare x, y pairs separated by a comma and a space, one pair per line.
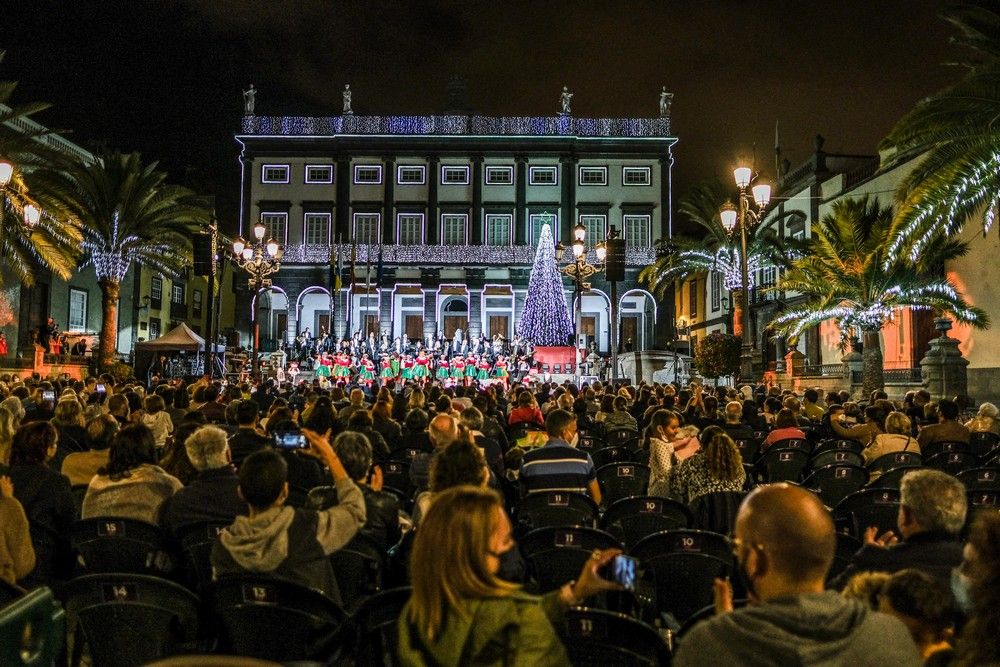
614, 267
202, 247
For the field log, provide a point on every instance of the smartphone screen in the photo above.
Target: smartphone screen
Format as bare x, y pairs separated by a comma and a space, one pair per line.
623, 570
49, 396
290, 440
101, 389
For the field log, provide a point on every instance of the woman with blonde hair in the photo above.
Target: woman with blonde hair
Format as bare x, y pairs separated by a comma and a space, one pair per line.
985, 420
896, 439
8, 426
464, 614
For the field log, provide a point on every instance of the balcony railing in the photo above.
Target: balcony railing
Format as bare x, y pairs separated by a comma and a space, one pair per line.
823, 370
468, 255
901, 375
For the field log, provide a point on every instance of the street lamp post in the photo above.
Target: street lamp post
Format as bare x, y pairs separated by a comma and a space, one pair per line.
579, 270
260, 259
745, 215
15, 196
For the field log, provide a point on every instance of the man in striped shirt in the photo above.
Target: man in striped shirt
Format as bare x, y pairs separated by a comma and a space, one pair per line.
559, 465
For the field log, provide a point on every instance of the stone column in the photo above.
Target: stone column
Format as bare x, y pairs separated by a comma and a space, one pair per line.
795, 364
944, 369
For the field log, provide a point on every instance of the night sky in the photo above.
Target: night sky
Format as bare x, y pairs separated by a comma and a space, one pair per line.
165, 77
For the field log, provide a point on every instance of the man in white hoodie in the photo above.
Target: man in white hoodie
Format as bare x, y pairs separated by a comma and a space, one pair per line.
784, 546
290, 543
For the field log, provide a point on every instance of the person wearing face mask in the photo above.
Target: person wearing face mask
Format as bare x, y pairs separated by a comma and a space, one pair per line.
465, 614
663, 427
559, 465
976, 587
790, 618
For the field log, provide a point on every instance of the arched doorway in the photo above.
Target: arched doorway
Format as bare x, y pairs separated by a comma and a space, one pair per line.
454, 316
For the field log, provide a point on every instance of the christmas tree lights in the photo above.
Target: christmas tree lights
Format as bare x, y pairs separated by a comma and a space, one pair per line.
545, 320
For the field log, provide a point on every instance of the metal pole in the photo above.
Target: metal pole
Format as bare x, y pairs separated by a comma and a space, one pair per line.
614, 333
254, 342
211, 301
576, 323
747, 352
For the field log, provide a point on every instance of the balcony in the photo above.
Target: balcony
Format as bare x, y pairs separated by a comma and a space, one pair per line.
178, 311
463, 255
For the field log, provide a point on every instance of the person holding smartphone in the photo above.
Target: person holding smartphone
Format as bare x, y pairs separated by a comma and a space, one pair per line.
288, 542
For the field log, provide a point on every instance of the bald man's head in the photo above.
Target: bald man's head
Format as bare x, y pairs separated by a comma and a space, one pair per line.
443, 430
793, 529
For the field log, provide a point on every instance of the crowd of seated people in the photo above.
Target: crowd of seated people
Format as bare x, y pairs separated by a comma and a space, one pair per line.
294, 480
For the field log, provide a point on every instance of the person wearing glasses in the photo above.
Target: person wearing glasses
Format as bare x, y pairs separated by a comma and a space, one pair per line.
791, 619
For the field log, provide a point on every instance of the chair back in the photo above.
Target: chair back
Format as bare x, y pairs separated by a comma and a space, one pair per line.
598, 637
590, 443
555, 508
780, 464
716, 512
792, 443
130, 619
111, 544
868, 507
404, 454
892, 478
396, 474
749, 449
847, 546
684, 565
358, 568
982, 443
196, 547
32, 630
838, 444
622, 480
631, 519
621, 436
951, 462
985, 479
298, 496
894, 460
836, 457
377, 640
556, 555
933, 449
611, 454
272, 619
835, 482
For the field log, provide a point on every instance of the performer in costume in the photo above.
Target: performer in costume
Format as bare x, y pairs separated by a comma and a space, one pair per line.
293, 370
443, 372
407, 367
470, 369
458, 371
323, 365
366, 373
342, 367
483, 369
387, 374
421, 368
500, 371
394, 361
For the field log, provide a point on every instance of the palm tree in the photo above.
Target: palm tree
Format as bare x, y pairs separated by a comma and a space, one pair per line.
54, 243
852, 274
957, 130
713, 250
131, 215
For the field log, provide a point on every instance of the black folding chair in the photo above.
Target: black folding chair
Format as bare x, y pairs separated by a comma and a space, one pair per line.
110, 544
933, 449
836, 457
892, 478
982, 443
556, 555
868, 507
951, 462
375, 622
847, 546
277, 620
894, 460
396, 474
196, 543
601, 638
749, 449
590, 443
781, 465
406, 454
835, 482
555, 508
130, 619
620, 436
840, 445
631, 519
980, 501
716, 512
358, 568
622, 480
684, 565
984, 479
611, 454
32, 630
792, 443
298, 496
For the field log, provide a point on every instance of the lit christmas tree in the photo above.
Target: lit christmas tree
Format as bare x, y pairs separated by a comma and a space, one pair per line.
545, 320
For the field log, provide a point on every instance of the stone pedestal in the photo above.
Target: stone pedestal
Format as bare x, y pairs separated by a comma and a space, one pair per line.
944, 369
853, 363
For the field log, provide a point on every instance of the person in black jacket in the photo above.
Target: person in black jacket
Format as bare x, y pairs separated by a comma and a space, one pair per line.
247, 440
381, 508
47, 500
211, 496
931, 514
